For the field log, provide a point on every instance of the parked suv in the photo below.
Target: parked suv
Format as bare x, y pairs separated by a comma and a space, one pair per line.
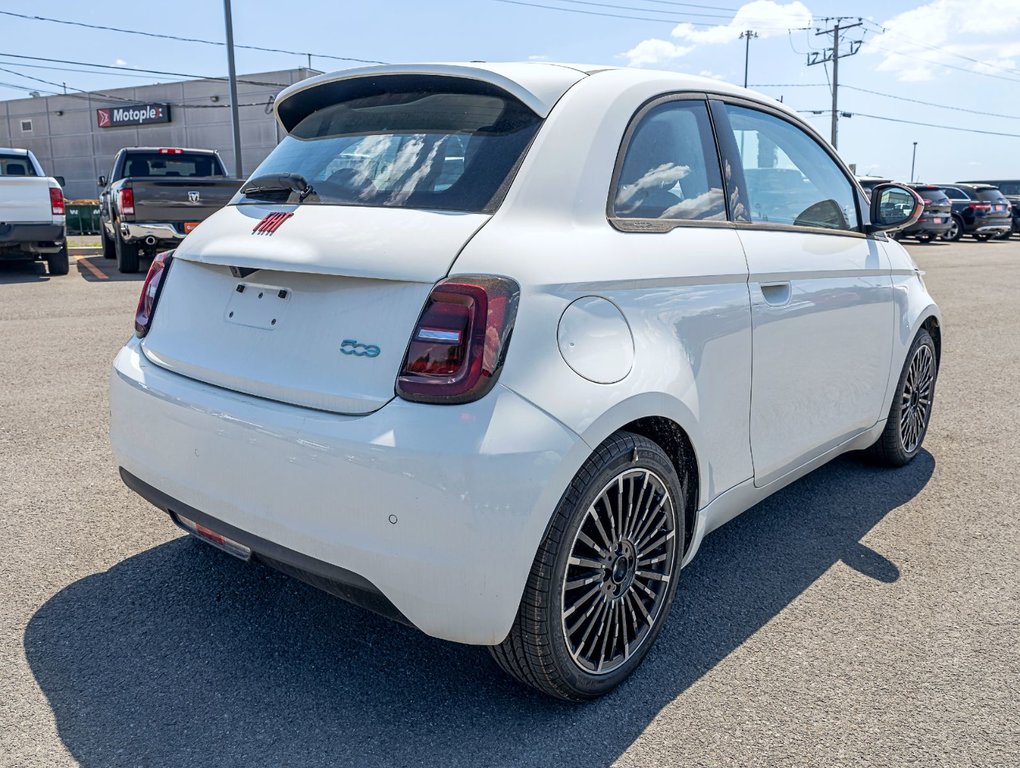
979, 210
490, 348
1011, 190
937, 216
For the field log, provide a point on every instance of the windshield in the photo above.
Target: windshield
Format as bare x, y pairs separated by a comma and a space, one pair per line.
171, 165
404, 149
16, 165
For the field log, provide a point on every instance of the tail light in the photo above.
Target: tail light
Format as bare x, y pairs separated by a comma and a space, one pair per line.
151, 289
980, 206
459, 344
56, 201
127, 201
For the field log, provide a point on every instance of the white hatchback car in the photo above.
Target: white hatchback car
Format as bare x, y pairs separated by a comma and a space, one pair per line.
489, 349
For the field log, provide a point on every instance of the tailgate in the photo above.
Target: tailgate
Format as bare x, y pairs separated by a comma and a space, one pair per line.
25, 199
320, 313
178, 200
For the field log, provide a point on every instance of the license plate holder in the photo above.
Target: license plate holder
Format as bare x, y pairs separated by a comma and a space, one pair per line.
258, 306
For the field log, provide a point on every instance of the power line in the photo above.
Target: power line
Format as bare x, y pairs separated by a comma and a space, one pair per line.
163, 36
922, 44
644, 10
934, 125
137, 69
622, 16
889, 96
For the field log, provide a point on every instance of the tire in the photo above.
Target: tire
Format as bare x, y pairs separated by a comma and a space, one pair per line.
544, 649
58, 263
903, 435
127, 256
927, 238
109, 249
955, 231
982, 238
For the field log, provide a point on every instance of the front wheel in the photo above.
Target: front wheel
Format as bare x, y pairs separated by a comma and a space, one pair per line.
910, 412
604, 578
109, 249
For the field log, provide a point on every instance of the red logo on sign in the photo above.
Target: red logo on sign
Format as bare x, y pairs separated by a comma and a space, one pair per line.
270, 223
103, 116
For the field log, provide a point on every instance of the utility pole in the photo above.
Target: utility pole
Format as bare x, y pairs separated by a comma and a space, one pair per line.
235, 119
833, 54
746, 35
913, 158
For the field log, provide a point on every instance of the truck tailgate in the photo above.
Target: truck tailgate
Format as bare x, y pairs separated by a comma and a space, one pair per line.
178, 200
25, 199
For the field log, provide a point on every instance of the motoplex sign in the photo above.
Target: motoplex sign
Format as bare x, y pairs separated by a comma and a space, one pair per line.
132, 114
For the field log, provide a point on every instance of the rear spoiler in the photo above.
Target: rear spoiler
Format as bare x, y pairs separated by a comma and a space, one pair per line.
538, 87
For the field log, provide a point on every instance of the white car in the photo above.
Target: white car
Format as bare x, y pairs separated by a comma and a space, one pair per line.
32, 216
489, 349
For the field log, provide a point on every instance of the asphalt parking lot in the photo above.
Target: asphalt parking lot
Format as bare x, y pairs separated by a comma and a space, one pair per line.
860, 617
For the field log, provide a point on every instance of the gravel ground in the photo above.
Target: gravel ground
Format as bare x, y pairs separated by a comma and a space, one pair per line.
859, 617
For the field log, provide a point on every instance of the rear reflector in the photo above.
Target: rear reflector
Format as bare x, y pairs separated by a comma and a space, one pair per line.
151, 289
235, 548
458, 346
56, 201
171, 151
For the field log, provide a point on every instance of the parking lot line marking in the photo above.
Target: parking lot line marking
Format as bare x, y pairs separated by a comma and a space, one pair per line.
91, 267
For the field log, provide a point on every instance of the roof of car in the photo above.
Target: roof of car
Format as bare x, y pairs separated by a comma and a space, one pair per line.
165, 146
14, 151
537, 84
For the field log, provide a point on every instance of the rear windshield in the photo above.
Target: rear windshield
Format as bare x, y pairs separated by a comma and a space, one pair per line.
185, 165
934, 195
991, 196
16, 165
405, 149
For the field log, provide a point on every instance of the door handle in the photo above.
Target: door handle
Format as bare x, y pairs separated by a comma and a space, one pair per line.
776, 294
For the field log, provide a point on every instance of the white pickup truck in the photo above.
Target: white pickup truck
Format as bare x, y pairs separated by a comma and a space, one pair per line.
31, 212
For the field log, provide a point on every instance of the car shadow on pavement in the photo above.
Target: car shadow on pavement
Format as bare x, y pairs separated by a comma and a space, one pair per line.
23, 272
183, 656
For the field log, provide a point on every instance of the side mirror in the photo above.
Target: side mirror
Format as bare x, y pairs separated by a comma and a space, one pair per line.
893, 207
102, 181
60, 181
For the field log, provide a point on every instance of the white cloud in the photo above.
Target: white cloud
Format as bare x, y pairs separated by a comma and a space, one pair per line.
918, 41
538, 57
120, 62
765, 17
710, 74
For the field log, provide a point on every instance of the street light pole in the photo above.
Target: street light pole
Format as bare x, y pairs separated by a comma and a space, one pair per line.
232, 72
913, 158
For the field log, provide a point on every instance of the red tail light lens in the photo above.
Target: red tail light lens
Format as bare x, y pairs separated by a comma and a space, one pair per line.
56, 201
127, 201
980, 206
151, 289
459, 344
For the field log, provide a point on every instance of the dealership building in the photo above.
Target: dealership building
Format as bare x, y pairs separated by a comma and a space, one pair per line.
77, 135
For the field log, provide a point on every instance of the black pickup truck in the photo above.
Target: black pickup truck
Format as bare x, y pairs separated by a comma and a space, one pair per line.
157, 195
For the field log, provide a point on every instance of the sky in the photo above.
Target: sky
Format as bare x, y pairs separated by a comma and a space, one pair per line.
938, 63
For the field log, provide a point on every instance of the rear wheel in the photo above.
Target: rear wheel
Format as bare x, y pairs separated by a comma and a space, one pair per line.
910, 412
109, 249
955, 231
605, 576
58, 263
127, 256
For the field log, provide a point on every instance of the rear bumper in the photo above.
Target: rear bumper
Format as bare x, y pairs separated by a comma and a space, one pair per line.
163, 232
439, 509
929, 227
33, 238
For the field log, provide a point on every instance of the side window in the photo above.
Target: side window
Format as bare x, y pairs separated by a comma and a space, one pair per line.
670, 168
956, 194
790, 178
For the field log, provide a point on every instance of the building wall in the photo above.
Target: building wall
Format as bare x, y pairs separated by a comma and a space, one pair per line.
68, 142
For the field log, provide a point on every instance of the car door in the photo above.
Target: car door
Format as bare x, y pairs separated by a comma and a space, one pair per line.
821, 291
